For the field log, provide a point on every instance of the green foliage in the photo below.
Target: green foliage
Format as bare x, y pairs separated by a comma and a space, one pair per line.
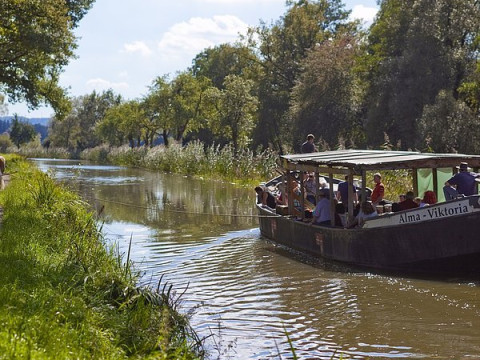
455, 120
396, 182
324, 101
122, 122
311, 71
63, 292
417, 50
21, 132
220, 61
77, 131
37, 42
188, 103
235, 108
5, 142
282, 49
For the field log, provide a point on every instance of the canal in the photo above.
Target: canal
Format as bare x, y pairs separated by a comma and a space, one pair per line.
202, 237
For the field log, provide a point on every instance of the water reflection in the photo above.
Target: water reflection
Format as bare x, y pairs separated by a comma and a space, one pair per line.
200, 236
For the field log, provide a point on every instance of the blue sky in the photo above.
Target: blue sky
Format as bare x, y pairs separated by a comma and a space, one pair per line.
125, 44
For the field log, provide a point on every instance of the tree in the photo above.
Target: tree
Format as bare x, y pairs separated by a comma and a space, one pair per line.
64, 132
21, 132
282, 48
235, 109
418, 48
449, 125
324, 100
77, 130
92, 110
122, 122
158, 108
188, 94
220, 61
37, 42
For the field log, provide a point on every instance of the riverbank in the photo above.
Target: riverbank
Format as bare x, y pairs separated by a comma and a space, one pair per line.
194, 159
63, 294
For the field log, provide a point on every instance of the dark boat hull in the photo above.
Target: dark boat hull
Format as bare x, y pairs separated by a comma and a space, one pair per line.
448, 246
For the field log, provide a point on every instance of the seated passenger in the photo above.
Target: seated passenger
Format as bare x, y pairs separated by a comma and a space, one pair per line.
340, 214
282, 194
321, 214
429, 198
265, 197
367, 211
408, 203
461, 184
310, 188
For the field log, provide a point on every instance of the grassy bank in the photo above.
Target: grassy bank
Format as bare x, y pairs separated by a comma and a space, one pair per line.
194, 159
64, 295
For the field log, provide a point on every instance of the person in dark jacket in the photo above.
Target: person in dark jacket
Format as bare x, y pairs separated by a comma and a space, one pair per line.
308, 146
462, 183
265, 197
408, 203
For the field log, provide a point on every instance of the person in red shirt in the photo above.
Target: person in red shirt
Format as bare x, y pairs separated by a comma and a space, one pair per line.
379, 190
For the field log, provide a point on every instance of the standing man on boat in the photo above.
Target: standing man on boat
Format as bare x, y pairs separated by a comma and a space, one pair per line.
462, 183
342, 193
379, 190
308, 146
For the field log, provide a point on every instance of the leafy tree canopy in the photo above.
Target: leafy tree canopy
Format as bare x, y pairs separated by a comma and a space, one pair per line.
36, 42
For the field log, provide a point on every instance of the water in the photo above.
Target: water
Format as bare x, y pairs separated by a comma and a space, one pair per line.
201, 236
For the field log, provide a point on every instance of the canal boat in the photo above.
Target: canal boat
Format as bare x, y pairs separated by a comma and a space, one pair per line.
443, 238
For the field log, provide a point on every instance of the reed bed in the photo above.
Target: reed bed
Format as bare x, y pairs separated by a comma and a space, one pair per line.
192, 159
65, 294
33, 150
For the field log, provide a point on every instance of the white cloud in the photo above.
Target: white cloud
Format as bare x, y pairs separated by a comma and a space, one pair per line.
186, 39
102, 84
364, 12
137, 46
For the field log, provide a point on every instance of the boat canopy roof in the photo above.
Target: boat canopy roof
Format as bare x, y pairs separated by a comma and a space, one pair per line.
357, 161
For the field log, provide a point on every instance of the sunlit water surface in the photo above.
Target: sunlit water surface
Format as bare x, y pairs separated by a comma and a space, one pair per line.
202, 237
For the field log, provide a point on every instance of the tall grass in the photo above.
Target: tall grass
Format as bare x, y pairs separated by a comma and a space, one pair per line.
35, 150
193, 159
64, 294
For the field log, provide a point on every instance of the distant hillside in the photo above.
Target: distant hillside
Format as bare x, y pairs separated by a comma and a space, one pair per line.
40, 124
33, 121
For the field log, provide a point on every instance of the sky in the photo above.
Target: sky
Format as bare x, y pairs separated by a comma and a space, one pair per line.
124, 45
